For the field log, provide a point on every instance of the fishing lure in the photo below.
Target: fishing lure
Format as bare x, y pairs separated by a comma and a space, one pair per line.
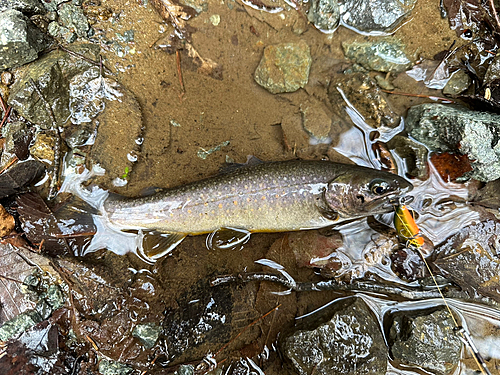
407, 228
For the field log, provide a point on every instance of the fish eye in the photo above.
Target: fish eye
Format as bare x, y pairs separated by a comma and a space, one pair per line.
379, 187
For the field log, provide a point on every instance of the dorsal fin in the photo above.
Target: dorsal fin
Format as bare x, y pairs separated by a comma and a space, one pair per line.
231, 167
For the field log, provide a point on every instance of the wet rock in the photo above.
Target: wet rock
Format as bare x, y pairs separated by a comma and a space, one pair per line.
25, 6
364, 94
148, 334
19, 324
43, 148
109, 367
414, 154
377, 16
58, 31
52, 75
427, 341
386, 55
325, 15
457, 84
52, 5
446, 128
470, 259
316, 120
345, 339
21, 40
284, 67
116, 112
73, 18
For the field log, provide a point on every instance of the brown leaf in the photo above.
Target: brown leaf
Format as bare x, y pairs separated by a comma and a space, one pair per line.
205, 65
175, 13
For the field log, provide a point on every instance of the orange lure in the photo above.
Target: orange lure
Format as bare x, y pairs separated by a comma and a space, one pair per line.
407, 228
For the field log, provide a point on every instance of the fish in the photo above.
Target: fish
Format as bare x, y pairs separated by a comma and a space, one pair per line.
261, 197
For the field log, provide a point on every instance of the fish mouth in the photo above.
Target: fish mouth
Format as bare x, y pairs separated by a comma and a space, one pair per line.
399, 200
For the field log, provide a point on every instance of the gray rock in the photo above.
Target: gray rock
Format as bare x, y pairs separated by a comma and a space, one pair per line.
19, 324
148, 334
375, 16
446, 128
325, 15
52, 74
426, 341
109, 367
72, 17
346, 339
284, 67
25, 6
458, 83
386, 55
21, 39
52, 5
364, 94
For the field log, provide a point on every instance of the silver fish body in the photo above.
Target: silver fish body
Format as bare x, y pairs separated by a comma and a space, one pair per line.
267, 197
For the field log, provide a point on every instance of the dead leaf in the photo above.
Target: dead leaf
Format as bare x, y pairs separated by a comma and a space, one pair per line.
205, 65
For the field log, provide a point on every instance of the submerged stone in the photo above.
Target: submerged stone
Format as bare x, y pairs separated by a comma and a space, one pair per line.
364, 94
448, 128
375, 16
316, 121
21, 40
284, 67
387, 55
344, 339
427, 341
325, 15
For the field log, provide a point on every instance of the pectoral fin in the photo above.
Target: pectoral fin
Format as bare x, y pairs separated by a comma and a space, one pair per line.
155, 245
227, 238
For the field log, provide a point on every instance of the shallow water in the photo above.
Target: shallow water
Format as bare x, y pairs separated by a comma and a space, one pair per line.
239, 118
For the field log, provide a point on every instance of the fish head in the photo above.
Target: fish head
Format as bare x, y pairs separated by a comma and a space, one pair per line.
363, 192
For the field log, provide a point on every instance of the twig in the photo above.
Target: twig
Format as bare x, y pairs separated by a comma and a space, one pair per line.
10, 279
2, 103
14, 159
57, 143
494, 11
7, 113
76, 54
419, 96
179, 73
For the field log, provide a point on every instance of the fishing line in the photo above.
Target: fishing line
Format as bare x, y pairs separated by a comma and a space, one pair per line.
411, 229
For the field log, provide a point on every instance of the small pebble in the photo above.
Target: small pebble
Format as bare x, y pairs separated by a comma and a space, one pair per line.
7, 78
